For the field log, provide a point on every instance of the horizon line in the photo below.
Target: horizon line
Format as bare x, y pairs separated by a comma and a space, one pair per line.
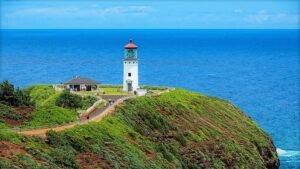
149, 28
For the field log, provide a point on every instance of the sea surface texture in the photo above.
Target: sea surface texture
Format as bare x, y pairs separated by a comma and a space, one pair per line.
257, 70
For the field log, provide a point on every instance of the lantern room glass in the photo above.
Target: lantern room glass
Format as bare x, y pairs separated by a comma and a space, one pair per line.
130, 54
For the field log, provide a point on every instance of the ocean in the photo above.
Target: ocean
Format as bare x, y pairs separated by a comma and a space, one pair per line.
257, 70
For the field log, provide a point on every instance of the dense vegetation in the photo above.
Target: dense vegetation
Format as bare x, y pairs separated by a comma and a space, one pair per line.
13, 97
69, 100
7, 112
179, 129
44, 103
46, 112
74, 101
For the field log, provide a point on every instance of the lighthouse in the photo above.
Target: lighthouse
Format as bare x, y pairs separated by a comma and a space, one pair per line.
130, 73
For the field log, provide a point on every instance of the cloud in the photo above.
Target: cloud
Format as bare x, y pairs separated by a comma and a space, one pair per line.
265, 17
128, 10
258, 17
75, 11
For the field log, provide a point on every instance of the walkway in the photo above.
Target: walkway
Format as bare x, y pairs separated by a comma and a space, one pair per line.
97, 116
94, 117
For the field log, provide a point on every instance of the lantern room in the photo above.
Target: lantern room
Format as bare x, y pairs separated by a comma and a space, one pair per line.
130, 52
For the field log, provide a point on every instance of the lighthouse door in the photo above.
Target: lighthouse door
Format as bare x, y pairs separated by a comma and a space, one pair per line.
129, 86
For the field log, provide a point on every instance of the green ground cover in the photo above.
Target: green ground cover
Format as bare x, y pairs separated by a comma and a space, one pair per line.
6, 112
3, 125
47, 113
179, 129
111, 91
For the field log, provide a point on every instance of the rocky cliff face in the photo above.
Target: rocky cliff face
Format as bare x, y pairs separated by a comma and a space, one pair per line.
179, 129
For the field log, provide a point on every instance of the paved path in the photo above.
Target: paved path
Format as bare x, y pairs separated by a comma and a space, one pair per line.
94, 117
97, 116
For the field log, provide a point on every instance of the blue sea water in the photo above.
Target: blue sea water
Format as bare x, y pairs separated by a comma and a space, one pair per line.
257, 70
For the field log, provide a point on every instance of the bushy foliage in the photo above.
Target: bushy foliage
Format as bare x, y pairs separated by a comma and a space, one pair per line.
64, 157
7, 112
7, 92
69, 100
178, 129
88, 101
13, 97
24, 161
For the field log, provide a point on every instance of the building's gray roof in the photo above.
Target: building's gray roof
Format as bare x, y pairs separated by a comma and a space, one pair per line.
81, 80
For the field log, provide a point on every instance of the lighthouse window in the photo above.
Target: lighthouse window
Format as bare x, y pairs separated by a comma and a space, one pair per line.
129, 74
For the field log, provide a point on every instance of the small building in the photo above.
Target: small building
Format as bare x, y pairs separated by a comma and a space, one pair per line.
82, 84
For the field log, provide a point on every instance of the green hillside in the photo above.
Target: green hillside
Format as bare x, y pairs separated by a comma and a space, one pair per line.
39, 106
179, 129
46, 113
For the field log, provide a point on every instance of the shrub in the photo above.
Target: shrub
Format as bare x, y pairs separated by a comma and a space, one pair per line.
88, 101
7, 112
5, 164
55, 139
12, 97
181, 139
25, 161
164, 151
23, 98
69, 100
64, 157
7, 93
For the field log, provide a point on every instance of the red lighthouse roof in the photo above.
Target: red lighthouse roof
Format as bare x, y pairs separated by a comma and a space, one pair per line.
130, 45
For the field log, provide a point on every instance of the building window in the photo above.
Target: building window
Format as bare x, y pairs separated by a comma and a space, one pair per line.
129, 74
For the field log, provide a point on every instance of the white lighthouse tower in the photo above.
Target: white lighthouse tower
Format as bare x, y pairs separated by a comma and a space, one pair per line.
130, 76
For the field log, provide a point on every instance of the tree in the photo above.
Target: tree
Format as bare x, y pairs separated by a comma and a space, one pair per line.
22, 98
69, 100
7, 93
12, 97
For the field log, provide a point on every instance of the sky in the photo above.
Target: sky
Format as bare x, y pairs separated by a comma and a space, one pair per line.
155, 14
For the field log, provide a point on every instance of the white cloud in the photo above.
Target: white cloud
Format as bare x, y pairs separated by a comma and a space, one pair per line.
128, 10
93, 10
259, 17
265, 17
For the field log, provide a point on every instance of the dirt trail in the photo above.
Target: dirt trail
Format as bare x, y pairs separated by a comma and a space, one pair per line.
97, 117
100, 116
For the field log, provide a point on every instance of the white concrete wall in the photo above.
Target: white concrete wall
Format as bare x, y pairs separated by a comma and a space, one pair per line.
141, 92
130, 67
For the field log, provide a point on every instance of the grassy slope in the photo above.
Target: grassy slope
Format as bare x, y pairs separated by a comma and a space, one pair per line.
46, 112
7, 112
179, 129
